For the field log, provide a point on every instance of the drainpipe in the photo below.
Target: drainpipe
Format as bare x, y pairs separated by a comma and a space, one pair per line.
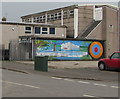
119, 25
32, 48
75, 22
45, 18
61, 17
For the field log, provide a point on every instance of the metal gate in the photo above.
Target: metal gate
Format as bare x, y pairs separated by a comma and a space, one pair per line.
20, 51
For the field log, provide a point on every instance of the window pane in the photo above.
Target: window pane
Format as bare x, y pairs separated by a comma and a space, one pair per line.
44, 32
37, 30
116, 55
44, 29
27, 28
27, 31
52, 30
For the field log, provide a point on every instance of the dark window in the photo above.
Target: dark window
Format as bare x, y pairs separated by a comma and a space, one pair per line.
37, 30
27, 29
52, 31
116, 55
44, 30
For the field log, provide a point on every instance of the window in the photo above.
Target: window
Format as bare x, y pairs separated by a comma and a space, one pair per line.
37, 30
52, 31
35, 19
116, 55
65, 14
55, 16
48, 17
71, 13
59, 15
44, 30
52, 16
28, 29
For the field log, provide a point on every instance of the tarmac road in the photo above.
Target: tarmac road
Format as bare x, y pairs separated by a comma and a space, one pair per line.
17, 84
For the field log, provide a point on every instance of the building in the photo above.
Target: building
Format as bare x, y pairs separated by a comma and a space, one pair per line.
84, 21
14, 33
119, 22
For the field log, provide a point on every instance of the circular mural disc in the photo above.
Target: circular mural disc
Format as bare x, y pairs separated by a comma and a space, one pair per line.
96, 50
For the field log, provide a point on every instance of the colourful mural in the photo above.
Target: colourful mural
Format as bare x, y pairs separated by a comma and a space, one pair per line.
68, 49
96, 49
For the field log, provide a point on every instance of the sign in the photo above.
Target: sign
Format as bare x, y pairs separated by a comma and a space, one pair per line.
24, 40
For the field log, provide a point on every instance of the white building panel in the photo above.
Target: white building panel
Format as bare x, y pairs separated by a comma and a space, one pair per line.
98, 14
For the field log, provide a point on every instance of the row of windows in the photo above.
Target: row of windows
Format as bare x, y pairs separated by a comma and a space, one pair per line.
40, 30
53, 16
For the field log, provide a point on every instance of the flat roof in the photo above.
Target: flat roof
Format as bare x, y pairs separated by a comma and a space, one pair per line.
73, 6
35, 37
32, 24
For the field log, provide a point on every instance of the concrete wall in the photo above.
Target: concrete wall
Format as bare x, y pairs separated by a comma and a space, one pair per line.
11, 32
85, 17
67, 22
119, 22
96, 33
111, 30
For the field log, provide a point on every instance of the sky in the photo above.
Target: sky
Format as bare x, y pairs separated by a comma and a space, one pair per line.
14, 10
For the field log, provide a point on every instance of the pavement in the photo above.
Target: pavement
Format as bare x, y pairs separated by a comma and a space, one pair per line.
85, 70
66, 64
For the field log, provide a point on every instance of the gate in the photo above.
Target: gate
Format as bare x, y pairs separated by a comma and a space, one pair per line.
20, 51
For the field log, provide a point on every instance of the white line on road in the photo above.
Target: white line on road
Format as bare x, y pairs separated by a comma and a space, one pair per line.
114, 86
56, 78
99, 84
88, 96
84, 82
69, 80
21, 84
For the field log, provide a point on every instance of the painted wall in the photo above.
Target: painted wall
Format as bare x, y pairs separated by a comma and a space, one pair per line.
68, 49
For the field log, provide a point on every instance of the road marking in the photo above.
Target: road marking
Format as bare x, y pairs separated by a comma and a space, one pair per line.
84, 82
69, 80
88, 96
56, 78
99, 84
114, 86
21, 84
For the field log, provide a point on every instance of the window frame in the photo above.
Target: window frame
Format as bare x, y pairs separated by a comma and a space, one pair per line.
44, 32
54, 30
28, 31
112, 57
39, 30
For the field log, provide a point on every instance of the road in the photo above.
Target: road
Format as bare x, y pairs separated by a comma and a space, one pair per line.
17, 84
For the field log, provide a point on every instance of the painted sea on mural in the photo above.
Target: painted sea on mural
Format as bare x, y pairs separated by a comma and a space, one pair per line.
63, 49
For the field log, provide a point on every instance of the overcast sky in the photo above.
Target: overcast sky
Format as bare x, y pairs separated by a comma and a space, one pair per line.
14, 10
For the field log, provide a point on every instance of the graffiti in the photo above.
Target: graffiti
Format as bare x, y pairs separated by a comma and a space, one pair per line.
63, 49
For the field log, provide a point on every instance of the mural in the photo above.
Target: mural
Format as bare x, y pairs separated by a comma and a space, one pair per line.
67, 49
96, 49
